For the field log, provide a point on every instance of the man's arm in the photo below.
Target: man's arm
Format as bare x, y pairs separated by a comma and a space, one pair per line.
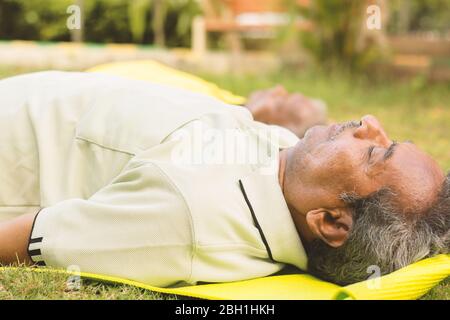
14, 237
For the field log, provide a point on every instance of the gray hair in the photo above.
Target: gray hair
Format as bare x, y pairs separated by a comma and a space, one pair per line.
384, 237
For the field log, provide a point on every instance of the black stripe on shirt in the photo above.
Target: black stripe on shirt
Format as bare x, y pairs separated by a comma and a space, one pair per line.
255, 220
35, 252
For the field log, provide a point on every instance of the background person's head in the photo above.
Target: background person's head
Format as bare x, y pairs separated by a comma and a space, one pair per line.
290, 110
360, 199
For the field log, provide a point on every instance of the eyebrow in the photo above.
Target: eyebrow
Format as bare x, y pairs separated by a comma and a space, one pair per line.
390, 150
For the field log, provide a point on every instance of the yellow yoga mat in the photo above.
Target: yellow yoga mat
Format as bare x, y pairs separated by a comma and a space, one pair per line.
410, 282
153, 71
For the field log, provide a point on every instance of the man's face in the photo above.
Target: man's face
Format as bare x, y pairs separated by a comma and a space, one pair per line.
290, 110
359, 157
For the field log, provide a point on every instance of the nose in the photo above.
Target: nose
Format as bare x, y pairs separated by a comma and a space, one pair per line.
371, 129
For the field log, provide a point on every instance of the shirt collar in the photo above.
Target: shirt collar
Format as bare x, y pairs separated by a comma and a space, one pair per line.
274, 218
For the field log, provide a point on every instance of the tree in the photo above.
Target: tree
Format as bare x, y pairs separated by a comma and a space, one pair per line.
338, 37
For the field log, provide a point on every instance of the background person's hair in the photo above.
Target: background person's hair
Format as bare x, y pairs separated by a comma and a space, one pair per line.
383, 237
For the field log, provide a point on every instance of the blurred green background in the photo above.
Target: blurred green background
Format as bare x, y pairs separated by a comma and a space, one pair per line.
134, 20
322, 48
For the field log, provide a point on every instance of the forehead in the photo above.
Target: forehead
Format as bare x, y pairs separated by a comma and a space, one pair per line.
413, 175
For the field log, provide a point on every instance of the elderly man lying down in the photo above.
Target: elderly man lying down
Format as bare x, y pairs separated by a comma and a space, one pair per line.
164, 186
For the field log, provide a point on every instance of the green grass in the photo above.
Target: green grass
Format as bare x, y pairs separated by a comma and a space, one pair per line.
440, 292
22, 284
413, 110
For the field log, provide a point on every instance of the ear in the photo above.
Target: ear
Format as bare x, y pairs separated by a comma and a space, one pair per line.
330, 225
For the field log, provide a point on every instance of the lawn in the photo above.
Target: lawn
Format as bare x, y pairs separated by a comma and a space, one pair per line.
413, 110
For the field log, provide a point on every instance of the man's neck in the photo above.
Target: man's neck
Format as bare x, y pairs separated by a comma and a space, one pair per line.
298, 218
